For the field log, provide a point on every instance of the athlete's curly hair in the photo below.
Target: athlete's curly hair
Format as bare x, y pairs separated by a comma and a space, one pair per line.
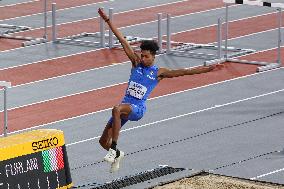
150, 45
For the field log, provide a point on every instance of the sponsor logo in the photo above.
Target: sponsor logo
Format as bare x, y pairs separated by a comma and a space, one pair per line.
139, 70
47, 143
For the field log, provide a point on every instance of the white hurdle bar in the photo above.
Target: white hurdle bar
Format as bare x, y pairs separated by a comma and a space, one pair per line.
256, 3
6, 85
264, 66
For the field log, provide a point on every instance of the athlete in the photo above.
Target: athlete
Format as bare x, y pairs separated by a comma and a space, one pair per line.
144, 77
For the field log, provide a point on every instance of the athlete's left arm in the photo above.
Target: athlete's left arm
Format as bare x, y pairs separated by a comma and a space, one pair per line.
167, 73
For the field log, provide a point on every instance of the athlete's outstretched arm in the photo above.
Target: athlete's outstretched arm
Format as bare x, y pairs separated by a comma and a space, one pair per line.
167, 73
134, 58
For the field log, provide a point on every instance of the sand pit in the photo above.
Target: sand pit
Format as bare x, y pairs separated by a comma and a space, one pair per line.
211, 181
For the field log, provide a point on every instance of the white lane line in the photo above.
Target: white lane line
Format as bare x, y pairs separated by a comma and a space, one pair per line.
117, 63
251, 34
84, 51
183, 115
84, 71
230, 22
70, 74
65, 56
80, 20
73, 94
178, 16
162, 96
266, 174
132, 26
80, 53
35, 14
83, 20
10, 5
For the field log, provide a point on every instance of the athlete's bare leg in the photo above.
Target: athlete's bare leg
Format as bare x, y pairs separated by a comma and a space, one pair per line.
118, 112
111, 132
105, 139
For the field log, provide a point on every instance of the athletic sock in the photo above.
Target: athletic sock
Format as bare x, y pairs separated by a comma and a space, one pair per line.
113, 145
117, 153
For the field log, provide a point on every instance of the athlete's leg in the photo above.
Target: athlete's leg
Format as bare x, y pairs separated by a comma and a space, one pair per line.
110, 135
105, 139
118, 112
136, 114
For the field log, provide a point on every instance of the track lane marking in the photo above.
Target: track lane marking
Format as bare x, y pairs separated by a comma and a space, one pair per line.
162, 96
266, 174
183, 115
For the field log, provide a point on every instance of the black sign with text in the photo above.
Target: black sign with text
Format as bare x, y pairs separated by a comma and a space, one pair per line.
35, 171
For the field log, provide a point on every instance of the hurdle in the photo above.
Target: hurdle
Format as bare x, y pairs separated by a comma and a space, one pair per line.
99, 37
190, 49
28, 41
102, 39
6, 85
264, 66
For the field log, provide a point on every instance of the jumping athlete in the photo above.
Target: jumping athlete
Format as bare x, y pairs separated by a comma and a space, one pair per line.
144, 77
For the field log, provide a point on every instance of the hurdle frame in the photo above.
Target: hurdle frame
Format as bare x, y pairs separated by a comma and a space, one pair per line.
101, 35
28, 40
185, 49
264, 66
6, 85
75, 39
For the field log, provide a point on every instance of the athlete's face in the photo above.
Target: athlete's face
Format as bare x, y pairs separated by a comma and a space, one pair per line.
147, 58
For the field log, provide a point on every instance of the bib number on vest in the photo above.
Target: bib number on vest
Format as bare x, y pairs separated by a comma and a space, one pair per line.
136, 90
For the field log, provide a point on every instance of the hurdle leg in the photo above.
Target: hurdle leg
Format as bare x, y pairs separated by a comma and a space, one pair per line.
54, 29
102, 32
226, 31
168, 34
45, 19
160, 32
219, 38
110, 43
279, 36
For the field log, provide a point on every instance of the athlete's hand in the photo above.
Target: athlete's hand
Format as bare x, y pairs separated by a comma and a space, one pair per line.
102, 14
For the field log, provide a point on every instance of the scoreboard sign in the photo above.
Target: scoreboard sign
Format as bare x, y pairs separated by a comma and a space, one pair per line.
34, 160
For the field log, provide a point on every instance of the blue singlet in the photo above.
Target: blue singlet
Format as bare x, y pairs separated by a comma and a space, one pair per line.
141, 83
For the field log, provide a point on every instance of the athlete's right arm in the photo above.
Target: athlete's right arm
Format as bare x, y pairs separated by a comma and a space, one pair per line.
134, 58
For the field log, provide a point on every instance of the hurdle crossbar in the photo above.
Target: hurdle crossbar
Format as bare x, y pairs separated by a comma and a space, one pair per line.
264, 66
189, 49
256, 3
